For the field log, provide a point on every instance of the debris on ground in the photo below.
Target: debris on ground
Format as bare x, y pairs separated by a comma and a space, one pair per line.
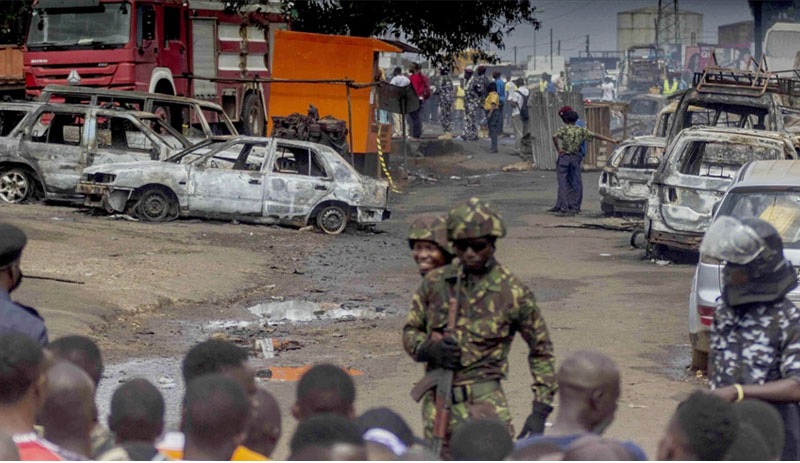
521, 166
610, 223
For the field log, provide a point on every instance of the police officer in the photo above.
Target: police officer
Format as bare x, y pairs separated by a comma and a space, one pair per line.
427, 238
755, 337
13, 316
473, 99
446, 96
491, 306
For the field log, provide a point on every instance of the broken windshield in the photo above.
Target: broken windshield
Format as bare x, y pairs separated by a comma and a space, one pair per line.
723, 159
108, 24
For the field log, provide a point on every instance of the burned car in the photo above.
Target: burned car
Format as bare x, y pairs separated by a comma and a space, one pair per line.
698, 166
642, 113
194, 119
44, 155
623, 184
251, 179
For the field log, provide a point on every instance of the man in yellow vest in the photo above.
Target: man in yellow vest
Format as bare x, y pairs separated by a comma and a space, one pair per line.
670, 85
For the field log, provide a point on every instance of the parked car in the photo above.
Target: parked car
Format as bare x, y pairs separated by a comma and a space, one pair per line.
769, 190
260, 180
697, 168
195, 119
45, 153
623, 184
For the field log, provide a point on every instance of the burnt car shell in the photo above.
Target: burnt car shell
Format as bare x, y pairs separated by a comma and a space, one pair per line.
253, 179
623, 184
699, 165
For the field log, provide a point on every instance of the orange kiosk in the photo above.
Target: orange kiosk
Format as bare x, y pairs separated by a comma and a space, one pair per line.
336, 74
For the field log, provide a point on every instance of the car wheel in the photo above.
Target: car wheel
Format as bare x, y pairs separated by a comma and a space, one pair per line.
252, 120
155, 205
15, 186
332, 220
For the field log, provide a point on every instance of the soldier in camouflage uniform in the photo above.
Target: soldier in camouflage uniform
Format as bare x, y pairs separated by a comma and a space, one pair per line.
755, 337
473, 101
492, 305
446, 93
428, 241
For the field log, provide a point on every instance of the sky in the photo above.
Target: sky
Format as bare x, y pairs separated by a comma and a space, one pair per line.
572, 20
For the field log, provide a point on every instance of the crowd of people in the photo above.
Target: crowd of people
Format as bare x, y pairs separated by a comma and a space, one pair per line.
462, 321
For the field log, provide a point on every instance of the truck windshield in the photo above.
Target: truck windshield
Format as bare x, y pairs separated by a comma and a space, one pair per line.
108, 24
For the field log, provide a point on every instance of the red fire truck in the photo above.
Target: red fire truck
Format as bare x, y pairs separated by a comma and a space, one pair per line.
188, 48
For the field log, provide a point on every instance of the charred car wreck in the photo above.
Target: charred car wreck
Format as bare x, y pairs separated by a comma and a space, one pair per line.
624, 182
45, 152
252, 179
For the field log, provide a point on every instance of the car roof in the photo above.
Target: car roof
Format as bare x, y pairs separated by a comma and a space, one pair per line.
648, 140
130, 94
700, 131
784, 172
61, 107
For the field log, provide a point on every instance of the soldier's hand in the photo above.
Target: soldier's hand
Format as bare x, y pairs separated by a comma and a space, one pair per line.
536, 420
444, 353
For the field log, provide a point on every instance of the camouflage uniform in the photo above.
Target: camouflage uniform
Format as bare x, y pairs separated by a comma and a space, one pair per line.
492, 308
473, 100
446, 93
756, 345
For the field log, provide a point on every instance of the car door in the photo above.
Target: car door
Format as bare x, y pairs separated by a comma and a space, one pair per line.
229, 182
56, 143
300, 179
699, 177
120, 139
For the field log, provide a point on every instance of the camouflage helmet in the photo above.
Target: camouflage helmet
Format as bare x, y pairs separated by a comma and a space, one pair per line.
474, 219
430, 228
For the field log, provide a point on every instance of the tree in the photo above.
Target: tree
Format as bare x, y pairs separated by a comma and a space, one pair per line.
440, 29
12, 27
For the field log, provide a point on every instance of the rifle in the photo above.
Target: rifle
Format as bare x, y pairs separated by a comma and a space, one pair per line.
444, 385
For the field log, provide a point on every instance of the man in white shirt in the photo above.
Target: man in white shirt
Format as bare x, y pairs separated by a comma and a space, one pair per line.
608, 89
521, 125
399, 80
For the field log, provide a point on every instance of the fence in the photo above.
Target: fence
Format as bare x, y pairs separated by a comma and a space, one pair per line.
544, 120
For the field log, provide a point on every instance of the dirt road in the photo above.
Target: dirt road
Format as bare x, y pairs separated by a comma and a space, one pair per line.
148, 292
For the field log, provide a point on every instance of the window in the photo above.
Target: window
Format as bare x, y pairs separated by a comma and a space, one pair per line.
217, 121
117, 133
779, 208
172, 25
58, 128
298, 160
10, 119
723, 160
641, 157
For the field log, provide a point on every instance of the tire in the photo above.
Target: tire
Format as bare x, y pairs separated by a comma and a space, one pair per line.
251, 117
155, 205
15, 186
332, 220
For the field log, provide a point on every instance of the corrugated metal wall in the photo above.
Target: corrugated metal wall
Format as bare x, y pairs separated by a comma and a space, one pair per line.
543, 109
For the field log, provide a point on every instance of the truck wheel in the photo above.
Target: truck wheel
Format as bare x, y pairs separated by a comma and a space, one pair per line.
163, 113
15, 186
252, 121
155, 205
332, 220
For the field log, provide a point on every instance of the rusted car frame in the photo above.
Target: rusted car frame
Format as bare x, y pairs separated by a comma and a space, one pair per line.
253, 179
624, 182
697, 168
45, 153
642, 113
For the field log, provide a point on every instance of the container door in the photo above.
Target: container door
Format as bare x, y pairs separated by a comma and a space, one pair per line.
204, 56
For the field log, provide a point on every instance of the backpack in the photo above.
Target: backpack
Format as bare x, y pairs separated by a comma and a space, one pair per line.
523, 109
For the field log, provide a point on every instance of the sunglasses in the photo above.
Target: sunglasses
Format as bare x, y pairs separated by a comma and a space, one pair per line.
476, 246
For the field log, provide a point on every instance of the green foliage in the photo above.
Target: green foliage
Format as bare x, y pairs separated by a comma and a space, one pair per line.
440, 29
13, 20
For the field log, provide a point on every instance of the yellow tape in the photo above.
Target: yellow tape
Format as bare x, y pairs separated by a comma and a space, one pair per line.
383, 162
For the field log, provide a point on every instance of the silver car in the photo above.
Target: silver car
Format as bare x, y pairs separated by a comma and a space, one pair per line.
769, 190
623, 184
260, 180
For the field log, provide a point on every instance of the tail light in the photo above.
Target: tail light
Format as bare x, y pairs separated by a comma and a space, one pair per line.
706, 314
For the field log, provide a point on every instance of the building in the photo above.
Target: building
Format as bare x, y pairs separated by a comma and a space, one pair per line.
638, 27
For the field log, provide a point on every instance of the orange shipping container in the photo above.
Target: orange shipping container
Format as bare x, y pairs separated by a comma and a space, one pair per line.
305, 56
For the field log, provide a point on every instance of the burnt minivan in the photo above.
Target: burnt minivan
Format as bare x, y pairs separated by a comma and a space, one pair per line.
698, 166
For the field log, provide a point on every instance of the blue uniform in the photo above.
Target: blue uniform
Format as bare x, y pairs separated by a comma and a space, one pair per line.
21, 319
574, 176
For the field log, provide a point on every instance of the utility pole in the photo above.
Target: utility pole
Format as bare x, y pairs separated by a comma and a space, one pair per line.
559, 48
587, 44
551, 48
515, 55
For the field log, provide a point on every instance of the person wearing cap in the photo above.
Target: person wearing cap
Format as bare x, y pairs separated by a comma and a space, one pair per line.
15, 316
427, 238
491, 306
475, 92
386, 433
518, 100
755, 335
573, 174
568, 140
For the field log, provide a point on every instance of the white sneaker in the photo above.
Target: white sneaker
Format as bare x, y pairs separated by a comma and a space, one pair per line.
446, 136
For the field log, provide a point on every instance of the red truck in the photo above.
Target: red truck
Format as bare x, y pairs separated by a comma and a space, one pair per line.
188, 48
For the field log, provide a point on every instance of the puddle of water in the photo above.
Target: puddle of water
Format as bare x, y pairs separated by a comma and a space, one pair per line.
217, 325
306, 311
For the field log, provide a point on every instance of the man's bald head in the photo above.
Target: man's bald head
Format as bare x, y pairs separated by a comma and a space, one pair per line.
82, 352
264, 427
589, 388
68, 411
